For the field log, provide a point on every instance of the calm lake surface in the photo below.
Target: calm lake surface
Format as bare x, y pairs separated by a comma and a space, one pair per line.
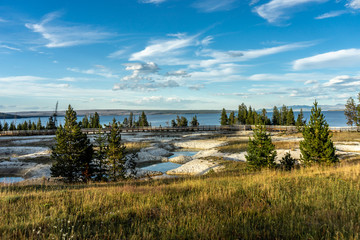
334, 118
11, 179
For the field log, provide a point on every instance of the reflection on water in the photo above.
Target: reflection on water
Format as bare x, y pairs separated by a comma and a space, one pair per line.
176, 154
162, 167
11, 179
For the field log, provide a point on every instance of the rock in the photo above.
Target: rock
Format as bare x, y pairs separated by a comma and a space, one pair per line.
199, 144
181, 159
152, 154
195, 167
141, 173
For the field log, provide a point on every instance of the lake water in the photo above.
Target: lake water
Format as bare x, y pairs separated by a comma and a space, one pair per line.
11, 179
334, 118
164, 167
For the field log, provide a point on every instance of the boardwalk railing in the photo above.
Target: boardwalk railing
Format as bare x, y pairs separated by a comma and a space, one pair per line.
270, 128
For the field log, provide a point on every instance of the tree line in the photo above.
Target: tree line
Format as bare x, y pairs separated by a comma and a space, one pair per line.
249, 116
183, 122
77, 160
28, 125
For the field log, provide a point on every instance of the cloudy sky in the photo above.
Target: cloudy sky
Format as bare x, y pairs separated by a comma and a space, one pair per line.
177, 54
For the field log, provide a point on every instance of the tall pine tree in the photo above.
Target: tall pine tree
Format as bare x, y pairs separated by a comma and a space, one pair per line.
300, 119
261, 152
276, 117
72, 153
224, 118
290, 119
317, 146
232, 120
116, 154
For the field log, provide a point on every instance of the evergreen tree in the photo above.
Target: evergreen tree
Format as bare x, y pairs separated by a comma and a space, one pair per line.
131, 119
283, 114
242, 114
95, 121
143, 120
51, 123
6, 126
224, 118
12, 126
85, 122
173, 123
19, 127
25, 126
33, 126
126, 122
261, 152
300, 119
276, 117
290, 119
287, 162
100, 163
38, 125
352, 112
263, 118
116, 154
232, 120
183, 121
194, 122
1, 127
72, 153
317, 146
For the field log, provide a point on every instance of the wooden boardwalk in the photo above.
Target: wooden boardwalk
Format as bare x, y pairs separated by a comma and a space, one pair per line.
205, 128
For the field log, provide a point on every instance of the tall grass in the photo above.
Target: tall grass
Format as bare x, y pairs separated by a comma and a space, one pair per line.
310, 203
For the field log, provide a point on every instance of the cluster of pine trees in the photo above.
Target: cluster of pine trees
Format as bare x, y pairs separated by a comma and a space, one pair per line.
93, 122
317, 146
131, 121
28, 125
249, 116
183, 122
76, 160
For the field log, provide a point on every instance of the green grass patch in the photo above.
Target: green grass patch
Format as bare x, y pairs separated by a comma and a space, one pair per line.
234, 146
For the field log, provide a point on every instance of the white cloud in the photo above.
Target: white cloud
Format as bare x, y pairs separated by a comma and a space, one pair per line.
179, 73
2, 20
214, 5
298, 77
142, 68
66, 36
239, 56
164, 48
355, 4
277, 10
98, 70
331, 14
10, 48
21, 79
142, 76
343, 81
118, 54
341, 58
148, 86
153, 1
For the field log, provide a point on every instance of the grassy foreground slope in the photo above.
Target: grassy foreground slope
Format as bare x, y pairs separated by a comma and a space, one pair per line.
312, 203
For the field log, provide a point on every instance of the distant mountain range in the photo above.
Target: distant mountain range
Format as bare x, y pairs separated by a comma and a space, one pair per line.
337, 107
7, 115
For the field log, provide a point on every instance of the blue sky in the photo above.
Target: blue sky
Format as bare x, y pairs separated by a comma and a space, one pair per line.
177, 54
